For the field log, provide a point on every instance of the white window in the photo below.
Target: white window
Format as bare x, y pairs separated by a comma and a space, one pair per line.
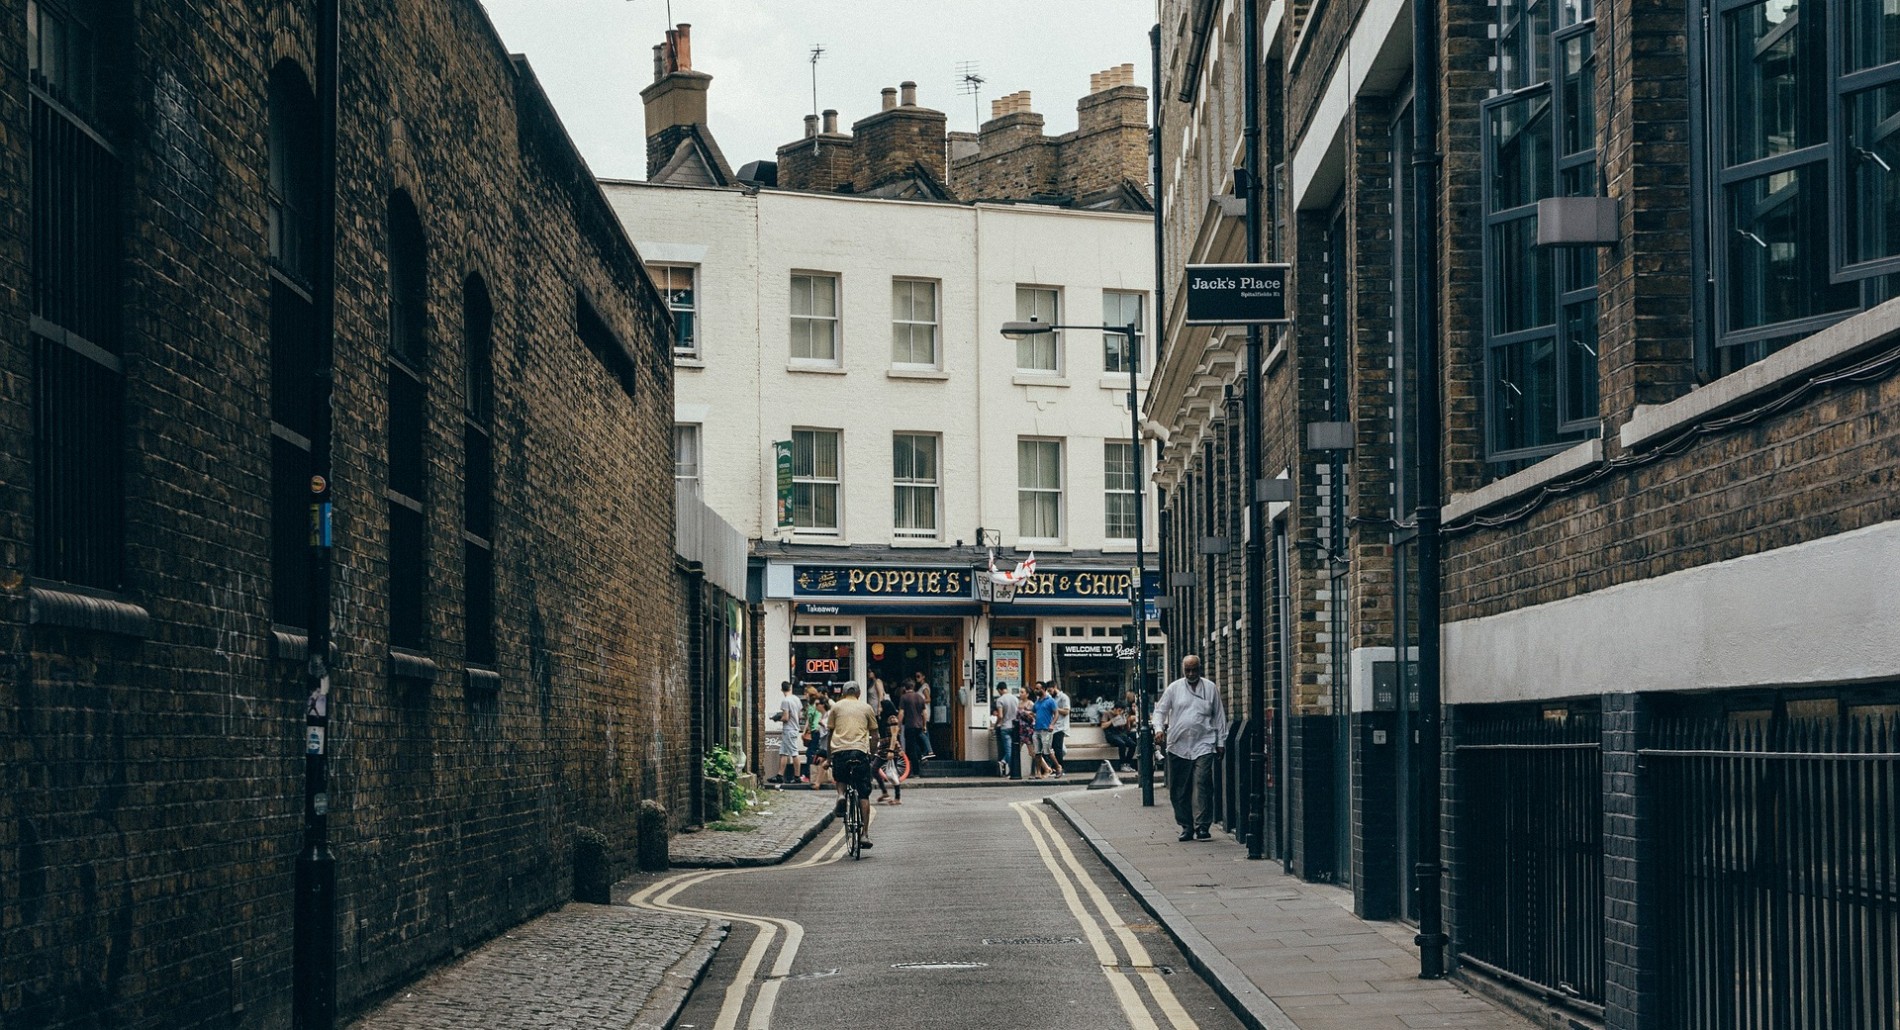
1041, 352
1039, 489
679, 285
913, 323
1118, 490
815, 481
815, 318
1120, 308
686, 452
914, 485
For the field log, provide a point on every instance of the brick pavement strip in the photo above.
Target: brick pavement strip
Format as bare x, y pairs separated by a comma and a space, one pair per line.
780, 823
587, 967
1285, 954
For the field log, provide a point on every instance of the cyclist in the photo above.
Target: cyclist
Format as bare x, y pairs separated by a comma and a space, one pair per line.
853, 724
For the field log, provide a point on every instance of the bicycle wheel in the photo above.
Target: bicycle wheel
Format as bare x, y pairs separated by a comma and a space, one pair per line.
853, 823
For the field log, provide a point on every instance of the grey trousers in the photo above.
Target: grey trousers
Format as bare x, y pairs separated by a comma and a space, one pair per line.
1191, 789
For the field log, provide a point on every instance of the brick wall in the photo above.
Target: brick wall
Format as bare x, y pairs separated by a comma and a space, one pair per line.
153, 785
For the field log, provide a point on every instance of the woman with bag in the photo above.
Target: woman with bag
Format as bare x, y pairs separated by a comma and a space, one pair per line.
889, 746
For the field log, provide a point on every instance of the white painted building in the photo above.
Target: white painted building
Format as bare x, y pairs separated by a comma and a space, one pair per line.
865, 331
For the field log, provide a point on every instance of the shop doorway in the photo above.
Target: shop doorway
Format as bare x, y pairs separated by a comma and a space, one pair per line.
897, 649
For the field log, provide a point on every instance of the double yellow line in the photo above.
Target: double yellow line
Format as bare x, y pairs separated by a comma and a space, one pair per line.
659, 897
1067, 875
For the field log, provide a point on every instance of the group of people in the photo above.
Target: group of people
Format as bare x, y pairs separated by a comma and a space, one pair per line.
1038, 723
899, 730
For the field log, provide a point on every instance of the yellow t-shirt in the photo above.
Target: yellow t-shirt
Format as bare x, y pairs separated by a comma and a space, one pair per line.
852, 725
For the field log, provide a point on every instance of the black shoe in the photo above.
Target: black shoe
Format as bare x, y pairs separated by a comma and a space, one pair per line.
1203, 835
864, 845
1186, 835
838, 809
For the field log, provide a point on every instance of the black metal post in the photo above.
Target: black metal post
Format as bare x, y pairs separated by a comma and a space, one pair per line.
313, 944
1256, 606
1425, 157
1144, 732
1138, 586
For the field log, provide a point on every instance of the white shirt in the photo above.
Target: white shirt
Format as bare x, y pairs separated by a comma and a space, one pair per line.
1195, 720
1061, 725
1005, 708
790, 708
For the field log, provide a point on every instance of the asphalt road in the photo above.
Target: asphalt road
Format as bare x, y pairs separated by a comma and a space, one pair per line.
975, 908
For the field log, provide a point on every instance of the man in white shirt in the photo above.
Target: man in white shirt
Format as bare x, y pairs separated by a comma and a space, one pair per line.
1191, 722
791, 727
1003, 714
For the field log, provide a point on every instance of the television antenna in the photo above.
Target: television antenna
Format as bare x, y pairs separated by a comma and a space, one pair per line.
817, 51
970, 84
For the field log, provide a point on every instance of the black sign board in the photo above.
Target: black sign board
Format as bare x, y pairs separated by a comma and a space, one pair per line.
1236, 294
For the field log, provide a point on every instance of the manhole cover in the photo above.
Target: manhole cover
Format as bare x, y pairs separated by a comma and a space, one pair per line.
1032, 940
940, 965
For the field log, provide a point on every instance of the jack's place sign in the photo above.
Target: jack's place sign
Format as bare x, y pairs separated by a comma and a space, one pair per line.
1236, 294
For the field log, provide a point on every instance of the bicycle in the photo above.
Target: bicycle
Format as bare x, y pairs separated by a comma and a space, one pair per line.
853, 822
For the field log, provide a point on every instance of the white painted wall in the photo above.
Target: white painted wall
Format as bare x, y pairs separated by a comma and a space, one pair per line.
1823, 612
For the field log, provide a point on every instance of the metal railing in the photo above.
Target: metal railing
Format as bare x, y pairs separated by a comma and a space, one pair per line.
1531, 852
1778, 871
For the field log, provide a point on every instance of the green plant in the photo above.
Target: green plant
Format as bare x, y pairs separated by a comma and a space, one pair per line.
720, 765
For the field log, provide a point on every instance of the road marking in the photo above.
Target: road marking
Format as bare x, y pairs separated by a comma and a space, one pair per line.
1137, 954
1123, 987
659, 897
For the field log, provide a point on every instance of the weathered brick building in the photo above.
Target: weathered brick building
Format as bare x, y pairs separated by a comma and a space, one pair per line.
1663, 256
505, 669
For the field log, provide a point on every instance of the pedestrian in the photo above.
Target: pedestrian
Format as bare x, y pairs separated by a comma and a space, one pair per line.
1059, 729
1192, 723
1025, 740
874, 693
916, 733
814, 732
1003, 717
890, 783
819, 762
923, 691
1118, 728
1045, 735
790, 719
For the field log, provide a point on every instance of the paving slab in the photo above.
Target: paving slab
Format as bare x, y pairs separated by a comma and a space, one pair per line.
1285, 954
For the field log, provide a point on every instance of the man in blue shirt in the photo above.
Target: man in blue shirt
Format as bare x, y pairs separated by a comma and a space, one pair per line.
1045, 734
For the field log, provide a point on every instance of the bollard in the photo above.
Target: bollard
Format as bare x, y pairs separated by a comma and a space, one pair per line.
649, 827
593, 880
1105, 777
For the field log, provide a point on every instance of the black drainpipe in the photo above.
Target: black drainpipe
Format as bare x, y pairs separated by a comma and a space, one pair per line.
1256, 607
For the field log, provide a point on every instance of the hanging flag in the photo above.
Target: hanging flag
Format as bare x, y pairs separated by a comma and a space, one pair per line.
1023, 570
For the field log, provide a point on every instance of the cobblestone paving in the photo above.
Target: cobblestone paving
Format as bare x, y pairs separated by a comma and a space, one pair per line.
583, 966
780, 822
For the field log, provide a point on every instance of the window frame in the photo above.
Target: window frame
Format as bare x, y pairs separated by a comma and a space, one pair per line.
696, 432
901, 484
935, 324
1054, 337
1132, 472
479, 528
405, 363
1139, 344
1058, 490
835, 320
812, 481
693, 350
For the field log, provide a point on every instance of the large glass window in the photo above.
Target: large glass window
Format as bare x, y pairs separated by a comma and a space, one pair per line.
1042, 352
679, 285
1119, 475
1803, 214
815, 318
1540, 302
1039, 489
291, 150
914, 323
1120, 308
815, 481
914, 485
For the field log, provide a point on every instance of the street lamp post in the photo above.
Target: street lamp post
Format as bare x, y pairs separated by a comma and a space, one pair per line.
1137, 588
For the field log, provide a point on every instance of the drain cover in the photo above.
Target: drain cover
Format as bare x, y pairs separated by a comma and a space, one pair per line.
1032, 940
940, 965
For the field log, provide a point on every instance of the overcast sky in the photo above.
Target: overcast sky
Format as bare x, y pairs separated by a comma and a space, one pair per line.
594, 57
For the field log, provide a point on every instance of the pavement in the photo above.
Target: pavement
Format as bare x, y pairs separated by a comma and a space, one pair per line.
1284, 953
1281, 954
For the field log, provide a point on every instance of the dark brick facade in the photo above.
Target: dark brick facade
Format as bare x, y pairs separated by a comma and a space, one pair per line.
150, 782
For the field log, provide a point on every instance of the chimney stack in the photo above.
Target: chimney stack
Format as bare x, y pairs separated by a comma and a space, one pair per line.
676, 101
898, 139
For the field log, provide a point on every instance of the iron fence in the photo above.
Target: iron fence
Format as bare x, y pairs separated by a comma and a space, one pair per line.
1778, 870
1531, 853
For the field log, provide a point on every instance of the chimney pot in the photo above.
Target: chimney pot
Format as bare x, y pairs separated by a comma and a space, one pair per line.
999, 107
672, 50
831, 122
1095, 82
683, 47
811, 125
659, 61
1023, 101
909, 94
1128, 74
890, 98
